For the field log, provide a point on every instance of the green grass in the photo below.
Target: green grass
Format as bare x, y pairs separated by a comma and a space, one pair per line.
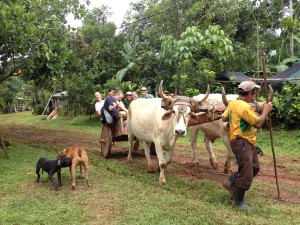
127, 194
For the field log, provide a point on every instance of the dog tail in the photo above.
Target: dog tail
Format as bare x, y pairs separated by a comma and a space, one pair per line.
79, 152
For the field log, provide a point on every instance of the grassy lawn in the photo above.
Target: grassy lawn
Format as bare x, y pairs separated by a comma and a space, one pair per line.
127, 194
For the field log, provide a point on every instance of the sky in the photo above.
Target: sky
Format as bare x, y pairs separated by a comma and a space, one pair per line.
118, 8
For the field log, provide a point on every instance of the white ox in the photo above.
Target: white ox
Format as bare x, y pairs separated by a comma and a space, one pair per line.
218, 129
149, 122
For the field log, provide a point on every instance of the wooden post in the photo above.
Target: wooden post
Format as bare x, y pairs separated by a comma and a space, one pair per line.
270, 122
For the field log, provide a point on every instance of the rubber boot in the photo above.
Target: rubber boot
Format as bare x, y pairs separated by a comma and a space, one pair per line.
239, 199
229, 184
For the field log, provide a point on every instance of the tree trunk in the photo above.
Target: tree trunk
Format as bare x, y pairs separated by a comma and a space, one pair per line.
292, 31
2, 145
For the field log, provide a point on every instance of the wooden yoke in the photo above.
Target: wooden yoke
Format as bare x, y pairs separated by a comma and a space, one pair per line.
204, 116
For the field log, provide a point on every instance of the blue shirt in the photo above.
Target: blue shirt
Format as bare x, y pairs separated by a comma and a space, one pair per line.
149, 96
111, 101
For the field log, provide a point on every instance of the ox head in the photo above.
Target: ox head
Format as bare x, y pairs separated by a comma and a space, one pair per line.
180, 109
257, 106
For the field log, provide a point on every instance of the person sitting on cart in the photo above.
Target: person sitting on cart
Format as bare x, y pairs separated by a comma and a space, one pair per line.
145, 94
111, 104
119, 97
135, 95
99, 104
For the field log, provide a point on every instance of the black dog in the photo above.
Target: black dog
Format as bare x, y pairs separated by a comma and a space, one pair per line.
51, 167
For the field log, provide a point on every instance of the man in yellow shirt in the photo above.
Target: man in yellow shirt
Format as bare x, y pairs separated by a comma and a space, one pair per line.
243, 123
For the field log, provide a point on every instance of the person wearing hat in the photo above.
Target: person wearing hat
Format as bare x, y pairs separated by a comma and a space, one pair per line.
243, 123
128, 96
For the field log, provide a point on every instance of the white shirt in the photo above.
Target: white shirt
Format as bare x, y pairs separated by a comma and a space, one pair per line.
99, 105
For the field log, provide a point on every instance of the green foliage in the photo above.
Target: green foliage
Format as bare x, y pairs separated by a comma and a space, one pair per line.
33, 38
123, 86
2, 102
80, 95
38, 109
287, 105
9, 89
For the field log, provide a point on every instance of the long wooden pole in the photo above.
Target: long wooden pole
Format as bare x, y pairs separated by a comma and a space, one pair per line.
270, 122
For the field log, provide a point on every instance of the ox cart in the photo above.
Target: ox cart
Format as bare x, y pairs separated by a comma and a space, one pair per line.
117, 131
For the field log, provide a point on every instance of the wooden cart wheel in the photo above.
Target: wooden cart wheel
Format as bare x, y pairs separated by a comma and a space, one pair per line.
106, 135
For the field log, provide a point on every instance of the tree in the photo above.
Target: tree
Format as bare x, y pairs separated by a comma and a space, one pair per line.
33, 40
196, 50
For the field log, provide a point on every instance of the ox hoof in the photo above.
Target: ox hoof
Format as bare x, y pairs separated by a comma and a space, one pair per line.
214, 164
226, 170
151, 170
162, 181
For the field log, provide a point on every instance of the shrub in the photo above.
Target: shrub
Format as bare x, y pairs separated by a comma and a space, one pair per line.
286, 105
38, 109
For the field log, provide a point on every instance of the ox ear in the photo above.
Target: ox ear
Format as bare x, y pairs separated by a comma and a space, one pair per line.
167, 115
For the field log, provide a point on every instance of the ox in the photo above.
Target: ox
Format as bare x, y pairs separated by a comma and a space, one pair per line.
151, 121
217, 128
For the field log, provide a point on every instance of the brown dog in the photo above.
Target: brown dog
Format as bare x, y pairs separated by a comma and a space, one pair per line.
79, 157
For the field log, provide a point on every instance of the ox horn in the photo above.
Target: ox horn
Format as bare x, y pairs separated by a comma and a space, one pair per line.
168, 101
160, 91
206, 95
224, 98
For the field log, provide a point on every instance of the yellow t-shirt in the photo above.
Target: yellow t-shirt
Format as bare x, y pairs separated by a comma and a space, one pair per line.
242, 120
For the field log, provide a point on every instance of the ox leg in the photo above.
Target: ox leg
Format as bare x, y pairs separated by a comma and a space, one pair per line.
169, 156
130, 148
193, 139
147, 154
231, 161
162, 163
212, 157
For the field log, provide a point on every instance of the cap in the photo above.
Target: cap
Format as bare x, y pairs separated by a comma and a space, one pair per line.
248, 86
128, 93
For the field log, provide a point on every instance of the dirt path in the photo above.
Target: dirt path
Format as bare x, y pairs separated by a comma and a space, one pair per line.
58, 139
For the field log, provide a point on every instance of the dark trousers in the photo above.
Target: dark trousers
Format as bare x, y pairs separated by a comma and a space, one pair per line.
247, 161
